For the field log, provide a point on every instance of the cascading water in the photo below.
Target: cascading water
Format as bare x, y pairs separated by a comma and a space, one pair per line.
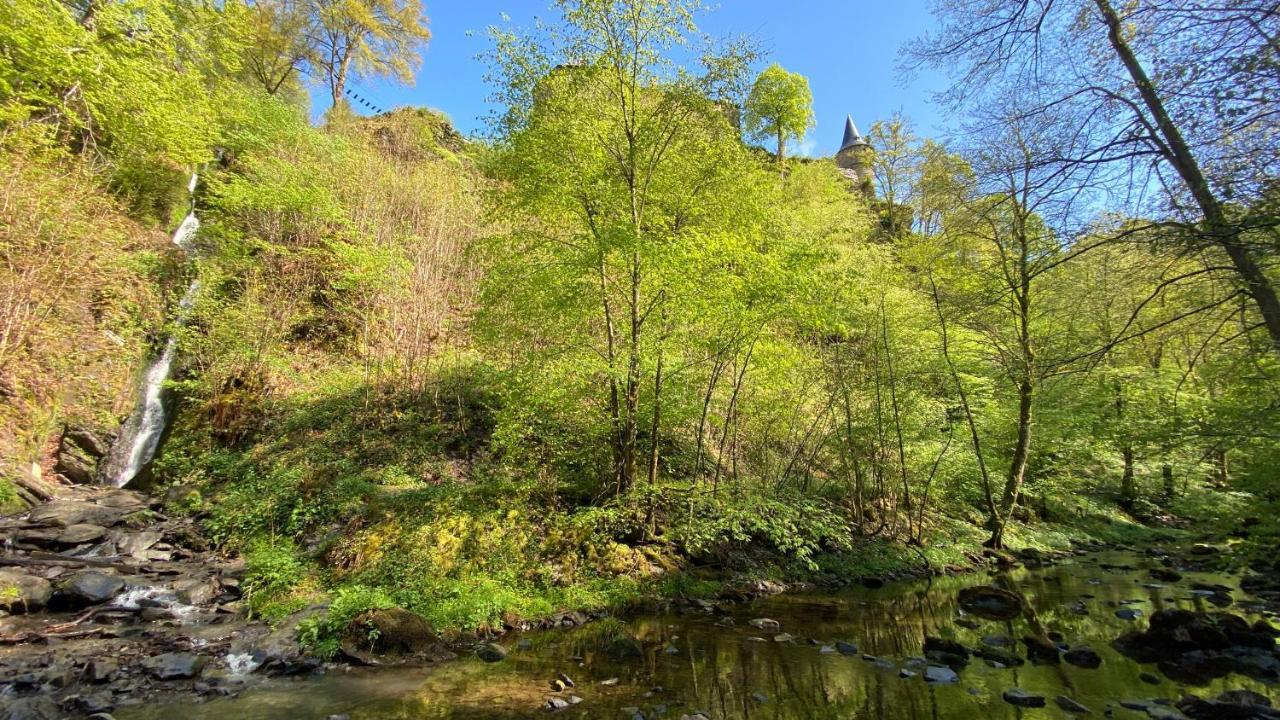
140, 435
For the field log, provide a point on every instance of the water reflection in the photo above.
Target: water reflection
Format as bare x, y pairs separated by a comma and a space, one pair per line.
692, 664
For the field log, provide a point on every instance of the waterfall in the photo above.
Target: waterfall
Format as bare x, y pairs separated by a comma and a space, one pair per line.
140, 435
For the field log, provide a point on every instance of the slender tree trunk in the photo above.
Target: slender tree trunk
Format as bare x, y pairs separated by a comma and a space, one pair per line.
1166, 475
782, 147
1221, 471
1128, 488
1178, 153
656, 428
1026, 390
1017, 465
974, 439
897, 419
717, 368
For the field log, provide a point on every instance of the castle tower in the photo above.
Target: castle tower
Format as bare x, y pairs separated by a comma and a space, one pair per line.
854, 157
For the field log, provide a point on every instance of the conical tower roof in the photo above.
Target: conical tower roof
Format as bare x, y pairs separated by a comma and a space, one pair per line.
852, 138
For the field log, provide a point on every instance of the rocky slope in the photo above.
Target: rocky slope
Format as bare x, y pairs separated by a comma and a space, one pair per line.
106, 602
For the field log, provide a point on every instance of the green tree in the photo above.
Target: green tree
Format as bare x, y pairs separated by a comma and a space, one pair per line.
642, 193
364, 38
779, 108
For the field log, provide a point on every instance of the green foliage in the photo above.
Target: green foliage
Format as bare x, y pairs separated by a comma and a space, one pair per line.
779, 108
323, 634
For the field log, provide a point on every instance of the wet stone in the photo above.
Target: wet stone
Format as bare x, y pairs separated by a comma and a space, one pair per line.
491, 652
941, 675
174, 666
1070, 705
1022, 698
21, 592
1083, 656
88, 587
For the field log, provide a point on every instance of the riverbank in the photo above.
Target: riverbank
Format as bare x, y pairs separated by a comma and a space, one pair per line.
116, 599
904, 650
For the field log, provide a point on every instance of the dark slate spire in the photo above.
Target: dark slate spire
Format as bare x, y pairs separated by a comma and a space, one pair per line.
852, 138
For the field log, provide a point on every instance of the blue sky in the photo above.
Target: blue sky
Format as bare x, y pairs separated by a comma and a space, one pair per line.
847, 48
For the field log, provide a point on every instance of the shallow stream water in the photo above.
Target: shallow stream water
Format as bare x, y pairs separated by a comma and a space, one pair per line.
691, 664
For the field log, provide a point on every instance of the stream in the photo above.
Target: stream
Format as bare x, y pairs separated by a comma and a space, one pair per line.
693, 662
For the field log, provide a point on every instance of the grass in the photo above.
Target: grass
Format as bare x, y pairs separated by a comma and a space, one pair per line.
401, 504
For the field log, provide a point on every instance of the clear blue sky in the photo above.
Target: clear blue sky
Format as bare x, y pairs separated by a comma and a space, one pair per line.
847, 48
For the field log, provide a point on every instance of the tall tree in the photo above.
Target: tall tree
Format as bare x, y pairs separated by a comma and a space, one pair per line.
779, 108
360, 38
1175, 101
638, 183
280, 34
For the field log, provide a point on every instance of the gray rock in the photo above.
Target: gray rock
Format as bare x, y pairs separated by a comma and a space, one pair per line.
136, 543
174, 666
80, 533
783, 638
100, 670
1128, 613
194, 591
1070, 705
940, 674
40, 707
64, 513
491, 652
1083, 656
89, 587
20, 592
846, 648
1022, 698
75, 464
990, 602
765, 624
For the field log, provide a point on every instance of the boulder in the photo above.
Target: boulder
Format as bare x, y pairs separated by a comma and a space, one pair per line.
80, 534
624, 646
100, 670
93, 442
135, 544
174, 666
75, 465
997, 656
941, 675
946, 652
64, 513
195, 591
88, 587
1022, 698
990, 602
491, 652
1041, 650
1230, 705
22, 593
1084, 657
766, 624
279, 653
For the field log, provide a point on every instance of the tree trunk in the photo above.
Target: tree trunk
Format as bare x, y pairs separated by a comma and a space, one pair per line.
1178, 153
656, 428
974, 439
782, 147
1017, 466
1128, 490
